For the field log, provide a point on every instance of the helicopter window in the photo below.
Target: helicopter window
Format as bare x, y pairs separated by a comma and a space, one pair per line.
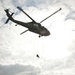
43, 27
36, 25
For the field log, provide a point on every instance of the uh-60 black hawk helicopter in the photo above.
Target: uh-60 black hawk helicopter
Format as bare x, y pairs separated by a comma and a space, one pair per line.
32, 26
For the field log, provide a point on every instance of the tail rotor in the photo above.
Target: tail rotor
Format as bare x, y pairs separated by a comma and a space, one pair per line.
7, 11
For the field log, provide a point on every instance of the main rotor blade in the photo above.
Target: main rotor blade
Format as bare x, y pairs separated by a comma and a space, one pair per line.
50, 15
24, 32
25, 13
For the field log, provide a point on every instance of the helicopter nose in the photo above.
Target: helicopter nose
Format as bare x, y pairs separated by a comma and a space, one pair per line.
47, 33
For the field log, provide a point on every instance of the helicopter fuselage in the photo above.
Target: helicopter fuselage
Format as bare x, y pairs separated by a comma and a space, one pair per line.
32, 26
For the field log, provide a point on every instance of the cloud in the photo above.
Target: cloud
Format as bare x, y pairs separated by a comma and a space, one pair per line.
19, 2
34, 3
17, 69
28, 3
61, 67
69, 8
71, 15
20, 49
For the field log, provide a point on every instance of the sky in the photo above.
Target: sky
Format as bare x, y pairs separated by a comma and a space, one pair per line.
56, 51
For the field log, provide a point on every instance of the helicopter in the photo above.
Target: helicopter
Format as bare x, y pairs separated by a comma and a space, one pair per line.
32, 26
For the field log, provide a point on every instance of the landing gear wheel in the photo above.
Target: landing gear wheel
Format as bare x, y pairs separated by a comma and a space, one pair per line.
40, 36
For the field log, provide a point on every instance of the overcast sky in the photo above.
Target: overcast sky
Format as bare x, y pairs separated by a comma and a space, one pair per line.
57, 51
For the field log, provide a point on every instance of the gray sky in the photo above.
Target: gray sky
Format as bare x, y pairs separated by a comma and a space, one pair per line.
57, 51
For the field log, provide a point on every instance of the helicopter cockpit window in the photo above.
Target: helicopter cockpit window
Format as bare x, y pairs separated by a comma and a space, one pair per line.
43, 27
36, 24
